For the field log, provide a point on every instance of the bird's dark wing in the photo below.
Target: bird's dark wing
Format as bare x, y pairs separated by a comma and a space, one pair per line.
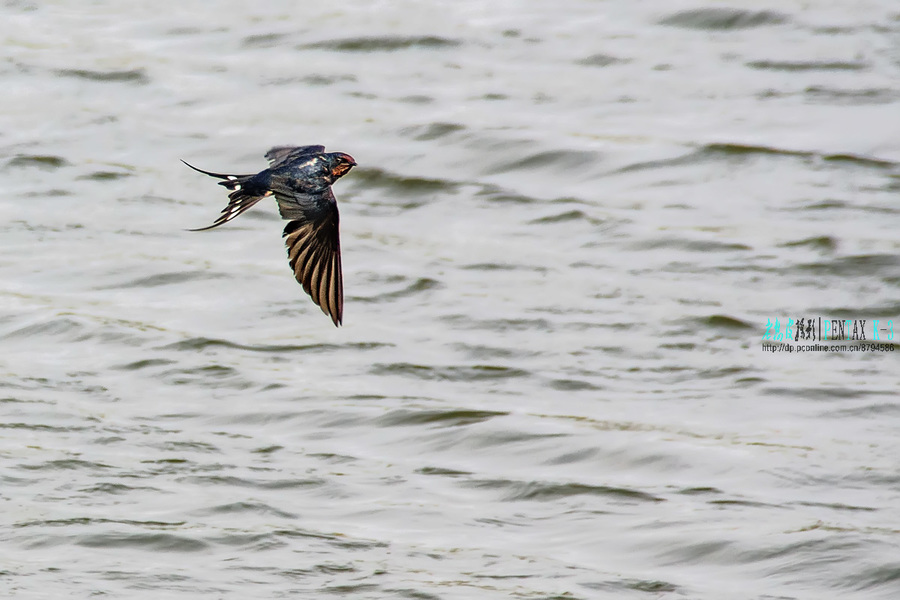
314, 247
280, 155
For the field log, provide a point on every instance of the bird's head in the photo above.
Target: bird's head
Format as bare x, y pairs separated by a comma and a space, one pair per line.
340, 164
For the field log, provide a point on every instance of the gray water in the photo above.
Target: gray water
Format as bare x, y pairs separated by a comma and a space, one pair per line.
570, 226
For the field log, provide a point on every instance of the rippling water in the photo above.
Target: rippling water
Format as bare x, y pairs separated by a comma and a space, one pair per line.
571, 226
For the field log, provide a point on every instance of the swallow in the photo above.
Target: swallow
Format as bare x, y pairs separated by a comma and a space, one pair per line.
300, 178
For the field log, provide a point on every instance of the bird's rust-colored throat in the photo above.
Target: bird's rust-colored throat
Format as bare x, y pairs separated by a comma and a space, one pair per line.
346, 163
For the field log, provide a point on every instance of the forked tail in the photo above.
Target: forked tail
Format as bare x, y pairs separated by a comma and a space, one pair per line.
246, 190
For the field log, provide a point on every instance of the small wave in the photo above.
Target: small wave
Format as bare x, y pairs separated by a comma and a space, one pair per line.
442, 472
241, 482
382, 43
482, 352
202, 343
423, 284
723, 19
734, 152
151, 542
117, 488
544, 491
576, 456
453, 373
835, 506
723, 322
700, 491
66, 464
37, 426
651, 586
211, 376
703, 246
162, 279
467, 322
135, 76
144, 364
819, 393
494, 193
90, 521
401, 185
600, 60
105, 176
851, 97
416, 99
445, 418
316, 79
431, 131
553, 159
42, 161
566, 217
263, 40
503, 267
828, 205
236, 508
863, 265
824, 243
811, 65
572, 385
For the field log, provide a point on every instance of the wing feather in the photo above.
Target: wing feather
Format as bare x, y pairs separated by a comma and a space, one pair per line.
313, 248
303, 264
314, 266
323, 283
337, 286
302, 243
325, 269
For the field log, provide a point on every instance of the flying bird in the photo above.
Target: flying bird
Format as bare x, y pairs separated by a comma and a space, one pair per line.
300, 178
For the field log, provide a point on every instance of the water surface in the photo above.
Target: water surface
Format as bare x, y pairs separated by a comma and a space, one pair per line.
569, 228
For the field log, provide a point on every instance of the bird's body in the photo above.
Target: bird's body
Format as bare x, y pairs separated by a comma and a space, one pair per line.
300, 178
